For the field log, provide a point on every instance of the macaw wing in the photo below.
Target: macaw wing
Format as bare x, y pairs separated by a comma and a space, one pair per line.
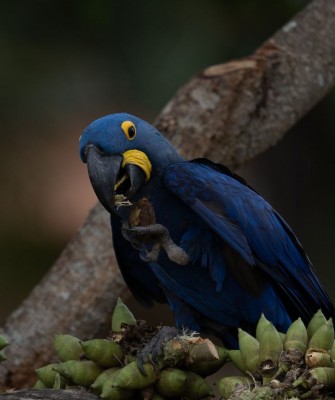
250, 226
137, 274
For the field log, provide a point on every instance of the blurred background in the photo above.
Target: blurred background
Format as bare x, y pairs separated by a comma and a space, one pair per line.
65, 63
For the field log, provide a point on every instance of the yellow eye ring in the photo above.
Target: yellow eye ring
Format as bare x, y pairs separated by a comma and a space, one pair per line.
129, 129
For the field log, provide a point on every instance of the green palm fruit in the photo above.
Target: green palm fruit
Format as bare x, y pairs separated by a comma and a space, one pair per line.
249, 347
2, 357
282, 336
332, 351
321, 376
121, 315
236, 357
67, 347
228, 384
203, 350
317, 320
317, 358
39, 385
103, 351
97, 385
82, 373
196, 388
323, 337
171, 383
111, 392
261, 325
296, 337
131, 377
3, 342
205, 368
128, 358
270, 348
47, 375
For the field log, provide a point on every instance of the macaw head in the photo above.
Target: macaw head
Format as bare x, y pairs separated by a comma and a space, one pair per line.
123, 152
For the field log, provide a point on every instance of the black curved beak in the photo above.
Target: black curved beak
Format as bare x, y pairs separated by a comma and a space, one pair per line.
109, 178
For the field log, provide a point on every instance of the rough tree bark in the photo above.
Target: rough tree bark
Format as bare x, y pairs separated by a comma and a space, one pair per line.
49, 394
229, 113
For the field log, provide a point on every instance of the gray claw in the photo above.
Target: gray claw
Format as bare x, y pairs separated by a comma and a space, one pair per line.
155, 347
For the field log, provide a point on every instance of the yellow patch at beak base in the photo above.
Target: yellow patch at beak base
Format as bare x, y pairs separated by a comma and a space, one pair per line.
138, 158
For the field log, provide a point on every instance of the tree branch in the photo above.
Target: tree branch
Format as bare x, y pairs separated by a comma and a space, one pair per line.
234, 111
48, 394
230, 113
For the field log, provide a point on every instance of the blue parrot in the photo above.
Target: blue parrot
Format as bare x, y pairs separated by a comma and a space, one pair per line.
195, 235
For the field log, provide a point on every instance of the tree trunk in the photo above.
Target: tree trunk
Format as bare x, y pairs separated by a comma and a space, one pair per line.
230, 113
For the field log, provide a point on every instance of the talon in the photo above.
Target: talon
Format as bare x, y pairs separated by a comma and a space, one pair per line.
140, 362
154, 348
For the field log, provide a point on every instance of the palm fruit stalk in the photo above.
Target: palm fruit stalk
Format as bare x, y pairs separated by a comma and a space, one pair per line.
296, 372
305, 369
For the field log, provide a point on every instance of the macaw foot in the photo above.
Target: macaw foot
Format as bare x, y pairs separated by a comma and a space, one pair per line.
152, 350
159, 236
150, 255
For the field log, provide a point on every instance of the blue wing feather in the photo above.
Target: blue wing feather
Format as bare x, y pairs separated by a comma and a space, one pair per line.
249, 225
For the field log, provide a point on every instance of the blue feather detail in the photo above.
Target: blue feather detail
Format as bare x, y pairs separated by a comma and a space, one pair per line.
247, 223
205, 248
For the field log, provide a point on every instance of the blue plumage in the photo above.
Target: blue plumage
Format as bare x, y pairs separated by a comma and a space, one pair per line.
243, 258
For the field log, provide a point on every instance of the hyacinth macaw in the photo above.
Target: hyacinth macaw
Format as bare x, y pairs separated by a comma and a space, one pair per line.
195, 235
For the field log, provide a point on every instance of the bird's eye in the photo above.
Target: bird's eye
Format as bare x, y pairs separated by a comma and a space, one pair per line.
129, 129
